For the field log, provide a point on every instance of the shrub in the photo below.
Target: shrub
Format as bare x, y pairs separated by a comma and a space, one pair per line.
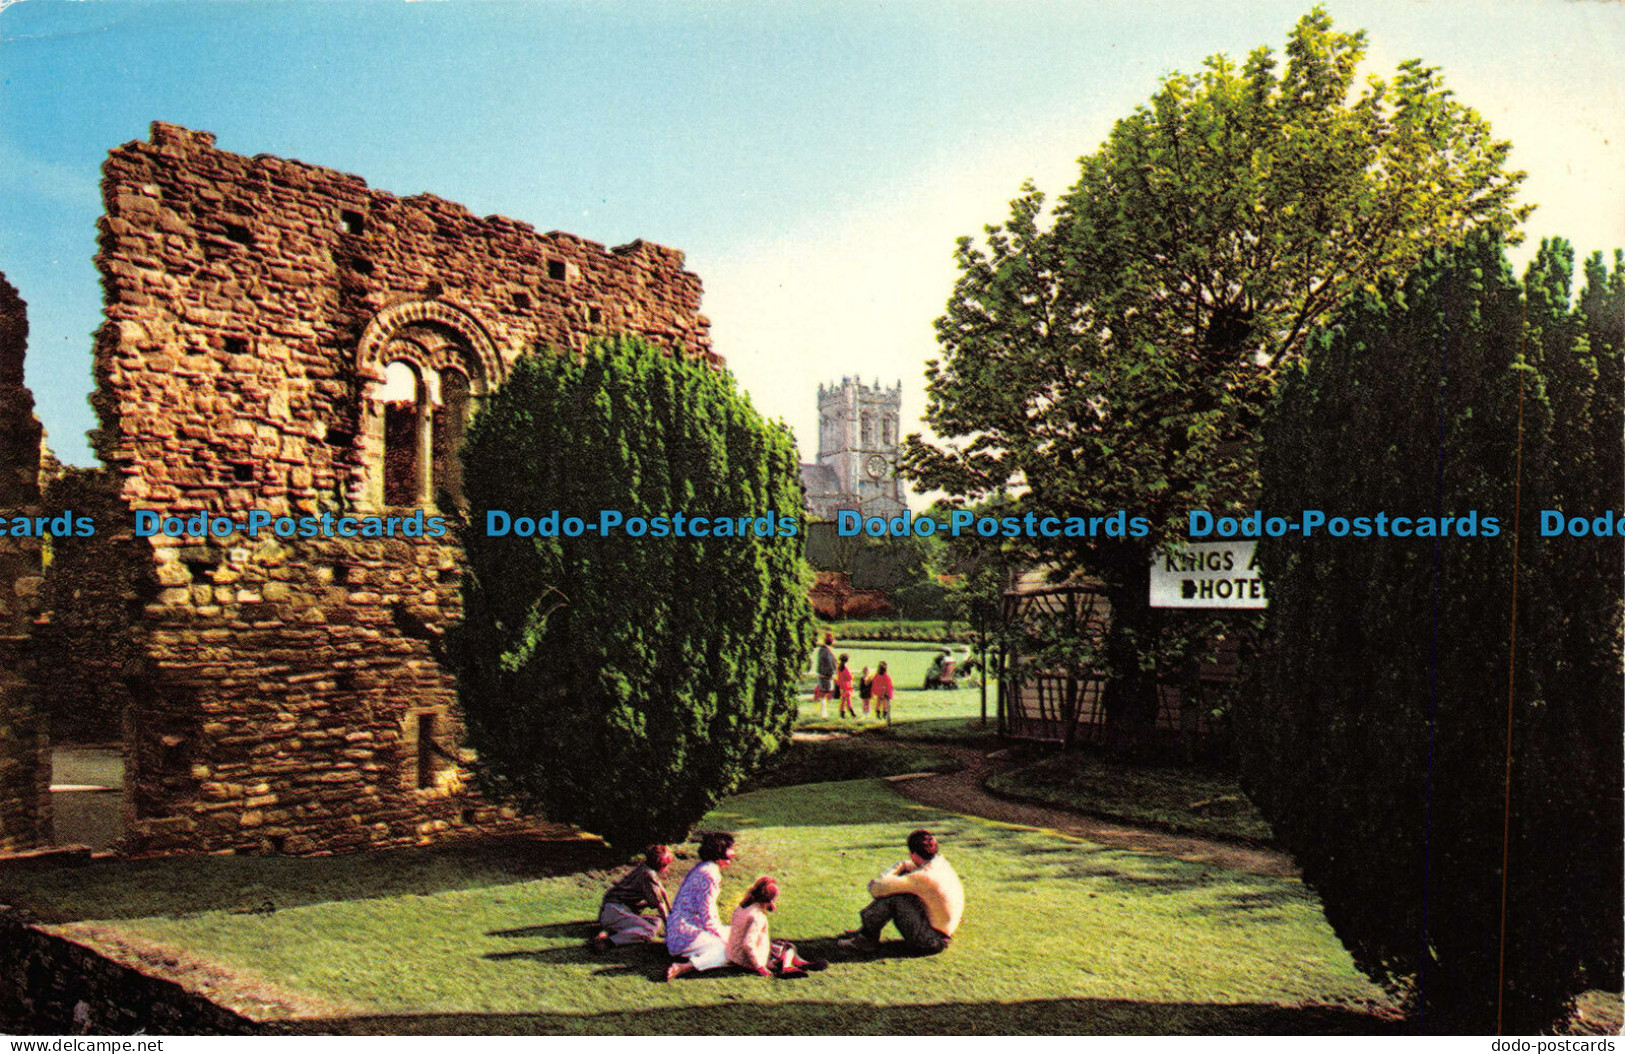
1378, 745
625, 684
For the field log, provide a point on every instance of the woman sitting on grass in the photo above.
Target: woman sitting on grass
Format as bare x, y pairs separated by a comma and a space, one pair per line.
693, 929
749, 944
623, 917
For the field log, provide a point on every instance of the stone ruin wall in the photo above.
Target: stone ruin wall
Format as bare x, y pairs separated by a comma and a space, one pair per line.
25, 767
87, 642
252, 305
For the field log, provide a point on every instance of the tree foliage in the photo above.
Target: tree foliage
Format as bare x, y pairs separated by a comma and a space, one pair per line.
626, 684
1123, 356
1378, 742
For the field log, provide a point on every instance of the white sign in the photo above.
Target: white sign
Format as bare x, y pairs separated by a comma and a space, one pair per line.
1207, 575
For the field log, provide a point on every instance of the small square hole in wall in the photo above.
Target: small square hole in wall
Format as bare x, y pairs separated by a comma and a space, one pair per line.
201, 567
556, 270
521, 301
361, 265
352, 222
242, 473
595, 316
239, 234
236, 345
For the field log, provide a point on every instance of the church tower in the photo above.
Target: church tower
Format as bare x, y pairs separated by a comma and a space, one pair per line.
858, 435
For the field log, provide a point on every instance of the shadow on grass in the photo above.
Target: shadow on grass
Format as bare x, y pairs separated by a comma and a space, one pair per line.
967, 732
854, 758
1257, 900
1030, 1017
574, 954
582, 928
180, 886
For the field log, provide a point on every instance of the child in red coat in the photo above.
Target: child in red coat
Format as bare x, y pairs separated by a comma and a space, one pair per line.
843, 684
881, 689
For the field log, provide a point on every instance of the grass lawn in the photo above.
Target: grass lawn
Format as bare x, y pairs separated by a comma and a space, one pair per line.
1180, 799
1059, 936
938, 714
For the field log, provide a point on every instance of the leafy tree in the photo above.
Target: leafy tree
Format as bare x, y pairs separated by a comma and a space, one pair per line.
625, 684
1378, 741
1123, 356
904, 567
980, 570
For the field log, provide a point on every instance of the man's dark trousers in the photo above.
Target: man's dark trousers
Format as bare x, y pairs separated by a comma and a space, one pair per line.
908, 913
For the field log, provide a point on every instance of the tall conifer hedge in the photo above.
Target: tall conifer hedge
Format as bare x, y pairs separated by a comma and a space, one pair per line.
626, 684
1378, 743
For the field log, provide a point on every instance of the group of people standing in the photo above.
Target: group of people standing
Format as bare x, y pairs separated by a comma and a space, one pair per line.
835, 682
922, 896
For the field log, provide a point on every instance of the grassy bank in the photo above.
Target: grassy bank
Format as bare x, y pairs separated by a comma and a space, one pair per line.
1194, 801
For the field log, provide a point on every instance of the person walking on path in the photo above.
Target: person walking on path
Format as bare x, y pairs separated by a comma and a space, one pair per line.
921, 896
826, 674
843, 684
865, 689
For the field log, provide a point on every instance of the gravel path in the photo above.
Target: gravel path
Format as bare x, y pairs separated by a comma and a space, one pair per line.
963, 792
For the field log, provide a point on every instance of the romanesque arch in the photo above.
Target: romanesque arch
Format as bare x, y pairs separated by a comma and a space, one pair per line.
425, 365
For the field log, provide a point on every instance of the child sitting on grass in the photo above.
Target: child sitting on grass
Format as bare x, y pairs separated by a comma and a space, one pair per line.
748, 942
635, 908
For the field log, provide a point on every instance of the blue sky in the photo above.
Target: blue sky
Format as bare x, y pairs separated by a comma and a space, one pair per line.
815, 161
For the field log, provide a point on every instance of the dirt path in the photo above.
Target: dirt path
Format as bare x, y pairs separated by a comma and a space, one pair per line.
963, 792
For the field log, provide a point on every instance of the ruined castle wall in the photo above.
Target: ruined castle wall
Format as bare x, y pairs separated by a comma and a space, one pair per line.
25, 767
94, 595
289, 694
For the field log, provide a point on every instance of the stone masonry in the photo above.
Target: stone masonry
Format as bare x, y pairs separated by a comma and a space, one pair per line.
280, 337
25, 769
858, 439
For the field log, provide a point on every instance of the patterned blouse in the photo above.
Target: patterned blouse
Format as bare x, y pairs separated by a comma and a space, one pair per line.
694, 921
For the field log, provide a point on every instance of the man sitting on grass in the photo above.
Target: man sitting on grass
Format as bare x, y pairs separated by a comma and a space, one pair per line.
921, 896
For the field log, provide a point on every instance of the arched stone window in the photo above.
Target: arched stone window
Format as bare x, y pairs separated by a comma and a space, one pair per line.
404, 396
450, 425
428, 364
